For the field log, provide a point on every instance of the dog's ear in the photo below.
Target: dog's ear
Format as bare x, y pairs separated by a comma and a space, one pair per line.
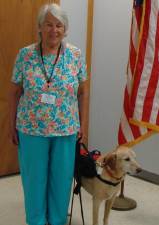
110, 161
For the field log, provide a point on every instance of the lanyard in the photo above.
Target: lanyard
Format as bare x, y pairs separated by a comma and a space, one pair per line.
48, 78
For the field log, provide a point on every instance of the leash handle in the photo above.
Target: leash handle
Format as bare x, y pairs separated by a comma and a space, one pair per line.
81, 144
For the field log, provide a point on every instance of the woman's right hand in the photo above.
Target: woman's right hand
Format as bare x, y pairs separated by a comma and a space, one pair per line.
13, 135
15, 93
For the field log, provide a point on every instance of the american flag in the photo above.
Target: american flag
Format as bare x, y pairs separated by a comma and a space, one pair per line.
140, 117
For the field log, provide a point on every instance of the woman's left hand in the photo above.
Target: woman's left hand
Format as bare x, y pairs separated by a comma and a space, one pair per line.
82, 134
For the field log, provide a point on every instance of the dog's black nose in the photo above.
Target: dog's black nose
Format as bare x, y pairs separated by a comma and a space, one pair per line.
138, 170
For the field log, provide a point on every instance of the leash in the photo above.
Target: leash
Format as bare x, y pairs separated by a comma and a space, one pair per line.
84, 166
81, 205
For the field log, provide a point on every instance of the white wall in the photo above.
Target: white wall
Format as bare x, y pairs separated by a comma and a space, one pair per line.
77, 13
110, 54
109, 60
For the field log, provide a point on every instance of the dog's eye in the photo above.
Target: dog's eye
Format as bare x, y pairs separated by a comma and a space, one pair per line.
127, 159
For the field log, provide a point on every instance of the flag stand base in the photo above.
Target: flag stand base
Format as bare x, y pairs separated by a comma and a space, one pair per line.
122, 203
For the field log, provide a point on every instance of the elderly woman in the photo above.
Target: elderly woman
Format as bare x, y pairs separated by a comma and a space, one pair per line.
48, 111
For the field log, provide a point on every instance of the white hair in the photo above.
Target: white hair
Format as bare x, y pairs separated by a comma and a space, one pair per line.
56, 11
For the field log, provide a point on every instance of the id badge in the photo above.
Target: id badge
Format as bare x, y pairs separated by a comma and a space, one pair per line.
49, 99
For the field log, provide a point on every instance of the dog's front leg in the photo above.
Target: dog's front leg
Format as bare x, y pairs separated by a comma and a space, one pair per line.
96, 204
108, 206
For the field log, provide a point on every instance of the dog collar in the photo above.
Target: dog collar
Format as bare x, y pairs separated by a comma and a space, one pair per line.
107, 181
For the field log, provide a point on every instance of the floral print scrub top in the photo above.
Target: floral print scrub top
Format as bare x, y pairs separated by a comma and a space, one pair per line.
39, 118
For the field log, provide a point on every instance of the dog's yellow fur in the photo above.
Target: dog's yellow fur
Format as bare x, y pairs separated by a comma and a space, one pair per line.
114, 167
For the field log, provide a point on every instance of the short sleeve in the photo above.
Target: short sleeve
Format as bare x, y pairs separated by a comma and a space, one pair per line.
17, 76
82, 74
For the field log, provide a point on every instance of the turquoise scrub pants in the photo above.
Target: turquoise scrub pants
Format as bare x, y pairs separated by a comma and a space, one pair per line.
47, 166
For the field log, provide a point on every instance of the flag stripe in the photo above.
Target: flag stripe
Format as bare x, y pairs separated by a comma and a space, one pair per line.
127, 130
121, 137
138, 14
132, 57
134, 129
150, 107
143, 130
157, 120
135, 33
129, 77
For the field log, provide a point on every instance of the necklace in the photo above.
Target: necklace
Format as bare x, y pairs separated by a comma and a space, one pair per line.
48, 78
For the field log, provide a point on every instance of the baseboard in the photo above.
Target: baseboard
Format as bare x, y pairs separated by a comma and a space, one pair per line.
9, 175
148, 176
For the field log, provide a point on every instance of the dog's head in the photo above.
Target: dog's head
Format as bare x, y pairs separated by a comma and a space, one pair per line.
127, 160
122, 159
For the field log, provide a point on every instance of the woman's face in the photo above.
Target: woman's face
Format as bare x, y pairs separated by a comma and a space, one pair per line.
52, 31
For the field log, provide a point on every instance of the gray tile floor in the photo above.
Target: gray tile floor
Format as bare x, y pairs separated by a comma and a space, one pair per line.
146, 213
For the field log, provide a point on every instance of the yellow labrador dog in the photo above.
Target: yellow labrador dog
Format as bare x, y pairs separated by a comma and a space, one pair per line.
106, 185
